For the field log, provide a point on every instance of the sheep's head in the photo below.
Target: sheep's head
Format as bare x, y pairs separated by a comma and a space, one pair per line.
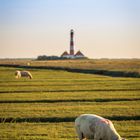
123, 139
16, 73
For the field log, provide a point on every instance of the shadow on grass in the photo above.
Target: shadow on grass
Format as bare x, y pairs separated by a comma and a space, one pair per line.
80, 90
70, 100
62, 119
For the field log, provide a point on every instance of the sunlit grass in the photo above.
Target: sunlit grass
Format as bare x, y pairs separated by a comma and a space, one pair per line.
46, 106
60, 131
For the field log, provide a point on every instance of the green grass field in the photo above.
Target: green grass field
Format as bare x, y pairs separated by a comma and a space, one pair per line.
45, 107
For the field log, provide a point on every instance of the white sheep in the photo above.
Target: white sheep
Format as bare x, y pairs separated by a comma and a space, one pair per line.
94, 127
19, 74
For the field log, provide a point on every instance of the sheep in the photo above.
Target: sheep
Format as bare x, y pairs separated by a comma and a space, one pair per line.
19, 74
93, 127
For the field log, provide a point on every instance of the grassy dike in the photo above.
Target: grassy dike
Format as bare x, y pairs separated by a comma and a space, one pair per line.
108, 67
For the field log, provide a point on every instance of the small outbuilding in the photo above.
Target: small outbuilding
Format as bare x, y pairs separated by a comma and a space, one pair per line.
65, 54
79, 54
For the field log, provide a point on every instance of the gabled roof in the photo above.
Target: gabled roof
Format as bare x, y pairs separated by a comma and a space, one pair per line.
79, 53
65, 53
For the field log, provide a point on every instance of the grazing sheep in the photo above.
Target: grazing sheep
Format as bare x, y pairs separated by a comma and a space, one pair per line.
19, 74
28, 64
94, 127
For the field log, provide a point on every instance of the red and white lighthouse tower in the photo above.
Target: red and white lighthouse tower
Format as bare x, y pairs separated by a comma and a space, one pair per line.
71, 54
71, 43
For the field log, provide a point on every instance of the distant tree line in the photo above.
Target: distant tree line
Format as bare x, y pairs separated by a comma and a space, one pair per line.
53, 57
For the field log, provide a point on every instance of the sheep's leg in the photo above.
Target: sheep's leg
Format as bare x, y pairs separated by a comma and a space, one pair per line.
96, 137
80, 134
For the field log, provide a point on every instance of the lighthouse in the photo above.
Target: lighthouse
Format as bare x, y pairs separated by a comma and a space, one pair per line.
71, 43
71, 54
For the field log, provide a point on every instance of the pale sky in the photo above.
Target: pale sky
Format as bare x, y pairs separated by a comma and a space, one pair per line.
103, 28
